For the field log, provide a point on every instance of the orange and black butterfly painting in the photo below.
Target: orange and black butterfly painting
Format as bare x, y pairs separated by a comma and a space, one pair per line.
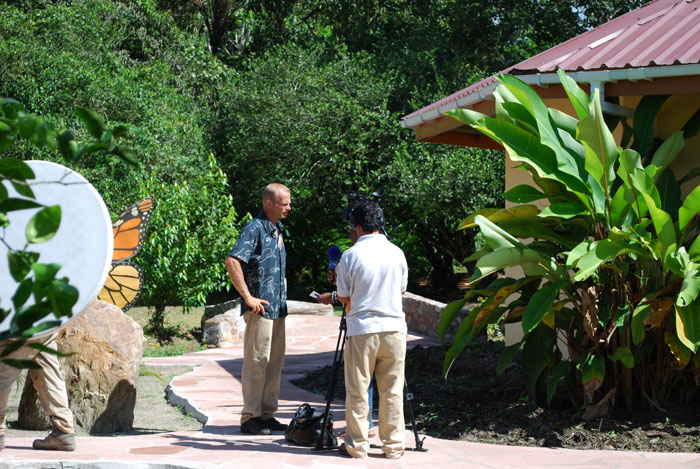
125, 279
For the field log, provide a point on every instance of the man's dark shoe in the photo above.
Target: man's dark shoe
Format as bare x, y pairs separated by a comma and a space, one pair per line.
56, 441
343, 450
255, 426
274, 425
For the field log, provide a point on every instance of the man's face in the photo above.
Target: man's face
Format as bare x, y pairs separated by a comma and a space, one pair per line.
280, 206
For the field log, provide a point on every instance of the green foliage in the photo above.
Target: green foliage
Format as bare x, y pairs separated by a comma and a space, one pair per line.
610, 265
126, 60
40, 291
319, 127
420, 51
429, 47
306, 92
130, 61
191, 231
431, 190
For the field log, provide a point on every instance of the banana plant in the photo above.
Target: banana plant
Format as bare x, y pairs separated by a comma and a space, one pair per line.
606, 289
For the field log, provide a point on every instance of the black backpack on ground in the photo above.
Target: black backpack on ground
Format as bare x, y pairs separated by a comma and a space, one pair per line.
305, 428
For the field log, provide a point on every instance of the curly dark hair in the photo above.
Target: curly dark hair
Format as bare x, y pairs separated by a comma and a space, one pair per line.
369, 215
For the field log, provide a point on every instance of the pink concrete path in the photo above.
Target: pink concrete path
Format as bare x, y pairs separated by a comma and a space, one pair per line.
213, 389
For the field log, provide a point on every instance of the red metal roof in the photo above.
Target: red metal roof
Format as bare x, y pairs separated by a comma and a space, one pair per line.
662, 32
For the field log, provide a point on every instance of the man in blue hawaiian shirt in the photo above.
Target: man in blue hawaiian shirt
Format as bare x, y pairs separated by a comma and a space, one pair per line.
256, 266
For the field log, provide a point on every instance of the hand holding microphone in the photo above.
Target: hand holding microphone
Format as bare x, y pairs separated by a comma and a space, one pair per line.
334, 254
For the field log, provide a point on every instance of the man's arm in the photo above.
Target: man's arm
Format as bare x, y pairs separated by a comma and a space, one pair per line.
235, 273
345, 300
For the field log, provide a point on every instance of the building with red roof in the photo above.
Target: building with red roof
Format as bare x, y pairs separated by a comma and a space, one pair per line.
654, 49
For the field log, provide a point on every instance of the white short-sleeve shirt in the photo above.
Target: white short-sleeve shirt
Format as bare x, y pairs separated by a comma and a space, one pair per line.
373, 274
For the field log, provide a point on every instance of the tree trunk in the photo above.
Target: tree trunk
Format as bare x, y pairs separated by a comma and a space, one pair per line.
156, 323
442, 276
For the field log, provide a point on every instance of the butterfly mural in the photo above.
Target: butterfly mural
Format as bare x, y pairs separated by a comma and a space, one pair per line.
125, 279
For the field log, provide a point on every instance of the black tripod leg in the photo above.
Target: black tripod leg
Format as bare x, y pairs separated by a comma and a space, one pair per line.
409, 400
337, 360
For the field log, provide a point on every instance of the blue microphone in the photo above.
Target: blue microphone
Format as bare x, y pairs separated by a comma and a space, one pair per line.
333, 257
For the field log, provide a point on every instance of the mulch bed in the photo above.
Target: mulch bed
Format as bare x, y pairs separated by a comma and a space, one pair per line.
475, 404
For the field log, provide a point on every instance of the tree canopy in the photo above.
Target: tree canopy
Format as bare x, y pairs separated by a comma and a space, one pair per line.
308, 93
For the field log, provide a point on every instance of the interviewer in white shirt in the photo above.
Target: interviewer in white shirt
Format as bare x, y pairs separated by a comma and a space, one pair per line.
371, 277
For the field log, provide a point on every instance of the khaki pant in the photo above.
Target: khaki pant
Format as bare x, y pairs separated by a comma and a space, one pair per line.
48, 382
382, 354
263, 359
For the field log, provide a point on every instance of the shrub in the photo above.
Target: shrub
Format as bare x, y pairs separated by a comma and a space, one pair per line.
191, 231
610, 265
39, 282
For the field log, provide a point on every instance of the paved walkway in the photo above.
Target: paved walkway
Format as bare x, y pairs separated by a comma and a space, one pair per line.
213, 390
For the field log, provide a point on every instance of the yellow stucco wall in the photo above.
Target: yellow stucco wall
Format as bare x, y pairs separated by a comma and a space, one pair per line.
676, 112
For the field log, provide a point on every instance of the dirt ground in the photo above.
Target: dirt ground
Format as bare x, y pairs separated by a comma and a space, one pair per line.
477, 405
152, 413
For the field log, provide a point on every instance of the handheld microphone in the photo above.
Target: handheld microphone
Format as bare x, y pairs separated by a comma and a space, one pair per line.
334, 253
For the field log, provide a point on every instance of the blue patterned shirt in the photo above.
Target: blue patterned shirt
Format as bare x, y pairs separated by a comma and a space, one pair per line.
263, 260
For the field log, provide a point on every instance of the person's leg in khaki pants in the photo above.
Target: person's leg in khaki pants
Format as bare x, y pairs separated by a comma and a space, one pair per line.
51, 387
389, 373
273, 373
359, 364
8, 377
263, 359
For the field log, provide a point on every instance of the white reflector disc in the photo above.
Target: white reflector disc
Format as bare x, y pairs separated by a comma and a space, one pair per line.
83, 244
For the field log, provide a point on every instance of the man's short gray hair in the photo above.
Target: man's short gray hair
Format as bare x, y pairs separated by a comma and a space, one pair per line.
272, 190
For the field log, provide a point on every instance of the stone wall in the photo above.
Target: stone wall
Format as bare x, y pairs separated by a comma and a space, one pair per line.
222, 324
423, 315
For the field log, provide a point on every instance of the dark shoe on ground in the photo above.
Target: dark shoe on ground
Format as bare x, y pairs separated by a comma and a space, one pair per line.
274, 425
255, 426
344, 451
56, 441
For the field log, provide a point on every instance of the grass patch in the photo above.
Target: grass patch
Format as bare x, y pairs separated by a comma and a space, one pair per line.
175, 318
145, 371
182, 332
168, 348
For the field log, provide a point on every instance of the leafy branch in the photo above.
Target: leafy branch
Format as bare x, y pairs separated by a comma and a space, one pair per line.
35, 280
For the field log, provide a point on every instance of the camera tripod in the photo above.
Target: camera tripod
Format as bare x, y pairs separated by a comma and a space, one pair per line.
337, 360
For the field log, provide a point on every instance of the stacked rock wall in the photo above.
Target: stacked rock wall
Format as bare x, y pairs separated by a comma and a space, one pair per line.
223, 324
423, 315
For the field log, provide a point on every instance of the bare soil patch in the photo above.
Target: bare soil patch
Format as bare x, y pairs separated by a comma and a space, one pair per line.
475, 404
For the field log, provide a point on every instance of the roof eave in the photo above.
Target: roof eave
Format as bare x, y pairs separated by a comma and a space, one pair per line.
546, 79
